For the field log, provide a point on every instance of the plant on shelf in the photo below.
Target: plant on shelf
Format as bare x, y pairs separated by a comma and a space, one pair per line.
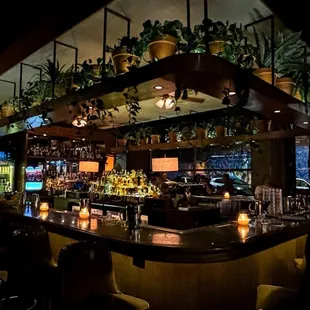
155, 136
220, 127
143, 134
201, 130
187, 131
126, 54
173, 133
90, 73
287, 50
9, 107
161, 40
120, 138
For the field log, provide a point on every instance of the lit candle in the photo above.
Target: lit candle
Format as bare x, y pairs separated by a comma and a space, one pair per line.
243, 219
44, 207
83, 223
243, 231
43, 215
84, 214
226, 195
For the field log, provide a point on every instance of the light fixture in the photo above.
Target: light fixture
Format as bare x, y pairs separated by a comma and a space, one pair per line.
276, 111
83, 139
166, 103
44, 135
35, 137
232, 93
305, 123
73, 140
79, 121
158, 87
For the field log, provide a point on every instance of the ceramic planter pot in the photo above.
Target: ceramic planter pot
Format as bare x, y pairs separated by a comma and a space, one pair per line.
216, 47
155, 139
220, 131
286, 84
120, 60
121, 142
200, 133
142, 142
172, 136
265, 74
163, 47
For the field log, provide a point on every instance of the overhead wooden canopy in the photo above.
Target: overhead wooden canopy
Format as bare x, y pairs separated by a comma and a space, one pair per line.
204, 73
26, 26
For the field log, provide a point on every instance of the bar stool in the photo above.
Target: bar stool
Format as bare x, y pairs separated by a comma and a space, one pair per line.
32, 269
277, 297
88, 281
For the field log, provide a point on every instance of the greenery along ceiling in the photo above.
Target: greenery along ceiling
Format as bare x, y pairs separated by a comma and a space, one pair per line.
189, 40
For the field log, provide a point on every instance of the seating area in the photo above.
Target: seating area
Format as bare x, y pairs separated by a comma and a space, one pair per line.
83, 277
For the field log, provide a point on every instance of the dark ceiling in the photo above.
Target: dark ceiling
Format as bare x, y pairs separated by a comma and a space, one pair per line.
293, 13
26, 26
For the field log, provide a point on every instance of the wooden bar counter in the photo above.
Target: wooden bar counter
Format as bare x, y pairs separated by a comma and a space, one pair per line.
215, 267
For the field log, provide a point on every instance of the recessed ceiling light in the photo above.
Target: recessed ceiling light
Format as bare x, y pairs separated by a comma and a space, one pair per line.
44, 135
83, 139
305, 123
73, 140
35, 137
158, 87
276, 111
232, 93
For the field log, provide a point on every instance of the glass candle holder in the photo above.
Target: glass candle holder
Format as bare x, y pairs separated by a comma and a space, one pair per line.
84, 214
243, 219
44, 207
226, 195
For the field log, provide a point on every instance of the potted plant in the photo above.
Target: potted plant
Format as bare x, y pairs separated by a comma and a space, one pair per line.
173, 133
219, 128
201, 130
126, 54
121, 139
155, 137
143, 135
161, 40
219, 35
187, 131
285, 48
9, 107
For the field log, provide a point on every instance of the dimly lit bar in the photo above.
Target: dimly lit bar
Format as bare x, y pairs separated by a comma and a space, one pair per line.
156, 160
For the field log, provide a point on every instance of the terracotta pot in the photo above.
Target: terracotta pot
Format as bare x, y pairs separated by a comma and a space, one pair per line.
220, 131
120, 59
163, 47
265, 74
260, 125
155, 139
216, 47
172, 136
200, 133
121, 142
286, 84
142, 142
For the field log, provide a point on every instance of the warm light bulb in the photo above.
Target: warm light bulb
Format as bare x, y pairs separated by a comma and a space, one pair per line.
226, 195
169, 103
160, 103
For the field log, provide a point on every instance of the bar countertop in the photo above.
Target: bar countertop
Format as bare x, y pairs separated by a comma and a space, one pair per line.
217, 243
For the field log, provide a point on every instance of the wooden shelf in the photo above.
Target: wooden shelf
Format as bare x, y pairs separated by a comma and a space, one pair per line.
204, 73
44, 158
214, 141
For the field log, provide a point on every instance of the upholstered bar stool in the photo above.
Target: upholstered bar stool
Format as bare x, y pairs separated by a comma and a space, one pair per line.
88, 281
277, 297
32, 269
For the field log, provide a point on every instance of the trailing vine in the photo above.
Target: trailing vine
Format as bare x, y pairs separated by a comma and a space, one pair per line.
132, 104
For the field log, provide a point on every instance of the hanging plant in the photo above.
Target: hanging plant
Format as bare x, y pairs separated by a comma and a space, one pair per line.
132, 104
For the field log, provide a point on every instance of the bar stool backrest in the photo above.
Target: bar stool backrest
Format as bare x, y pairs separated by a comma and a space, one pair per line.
86, 271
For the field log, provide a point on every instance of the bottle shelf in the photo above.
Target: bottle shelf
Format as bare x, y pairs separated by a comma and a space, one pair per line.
62, 158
